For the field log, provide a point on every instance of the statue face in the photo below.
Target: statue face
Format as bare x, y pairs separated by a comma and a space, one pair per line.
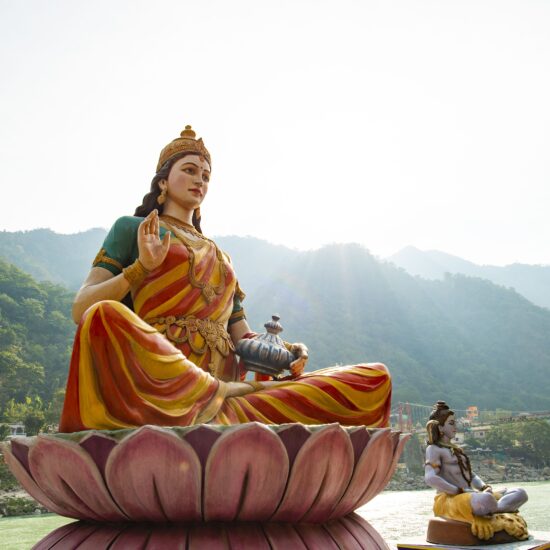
448, 430
187, 182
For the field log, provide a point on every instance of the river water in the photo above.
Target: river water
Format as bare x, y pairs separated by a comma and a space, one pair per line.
398, 515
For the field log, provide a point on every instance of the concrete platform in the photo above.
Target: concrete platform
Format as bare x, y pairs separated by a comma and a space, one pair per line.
537, 541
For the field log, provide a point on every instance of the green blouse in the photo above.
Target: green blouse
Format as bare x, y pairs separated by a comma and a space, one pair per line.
120, 249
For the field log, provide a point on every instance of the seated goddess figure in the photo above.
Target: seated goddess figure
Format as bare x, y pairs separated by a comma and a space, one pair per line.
160, 314
461, 494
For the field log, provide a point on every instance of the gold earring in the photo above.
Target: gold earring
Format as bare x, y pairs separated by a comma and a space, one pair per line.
162, 197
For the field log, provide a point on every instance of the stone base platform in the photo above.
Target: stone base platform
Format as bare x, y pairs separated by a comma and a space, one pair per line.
536, 541
458, 533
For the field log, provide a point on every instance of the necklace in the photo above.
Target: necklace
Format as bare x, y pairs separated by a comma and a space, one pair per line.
463, 461
208, 290
178, 223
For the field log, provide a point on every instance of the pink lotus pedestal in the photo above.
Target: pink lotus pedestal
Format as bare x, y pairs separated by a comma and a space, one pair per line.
272, 475
351, 533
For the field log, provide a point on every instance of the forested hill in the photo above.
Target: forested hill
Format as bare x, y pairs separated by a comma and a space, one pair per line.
36, 334
462, 339
532, 281
49, 256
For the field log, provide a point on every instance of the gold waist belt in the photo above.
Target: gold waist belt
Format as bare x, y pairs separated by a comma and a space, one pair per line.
182, 329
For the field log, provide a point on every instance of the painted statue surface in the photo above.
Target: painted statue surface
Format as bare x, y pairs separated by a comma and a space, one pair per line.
461, 494
159, 424
160, 315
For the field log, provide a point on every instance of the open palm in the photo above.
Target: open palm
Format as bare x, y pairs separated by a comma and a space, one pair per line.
152, 250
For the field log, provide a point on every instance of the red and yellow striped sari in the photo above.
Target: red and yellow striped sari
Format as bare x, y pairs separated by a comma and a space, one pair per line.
165, 362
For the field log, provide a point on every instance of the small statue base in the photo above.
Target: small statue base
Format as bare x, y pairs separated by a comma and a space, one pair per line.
459, 533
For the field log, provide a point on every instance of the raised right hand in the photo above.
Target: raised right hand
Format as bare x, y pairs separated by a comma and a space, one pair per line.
152, 251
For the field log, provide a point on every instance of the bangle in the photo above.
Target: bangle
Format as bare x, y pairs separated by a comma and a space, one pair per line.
135, 274
485, 487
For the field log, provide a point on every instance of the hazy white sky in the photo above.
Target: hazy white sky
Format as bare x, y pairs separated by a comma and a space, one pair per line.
381, 122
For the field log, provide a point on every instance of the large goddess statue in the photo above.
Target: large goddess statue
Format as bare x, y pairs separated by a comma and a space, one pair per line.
160, 314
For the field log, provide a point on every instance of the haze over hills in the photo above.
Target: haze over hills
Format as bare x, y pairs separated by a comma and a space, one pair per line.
49, 256
533, 281
462, 339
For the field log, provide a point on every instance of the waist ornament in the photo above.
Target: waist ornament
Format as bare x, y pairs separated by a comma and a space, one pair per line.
214, 333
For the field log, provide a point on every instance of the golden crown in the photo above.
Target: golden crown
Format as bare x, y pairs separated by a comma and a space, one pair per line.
186, 143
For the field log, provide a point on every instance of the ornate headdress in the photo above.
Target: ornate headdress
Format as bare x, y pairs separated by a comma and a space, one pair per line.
438, 416
440, 412
186, 143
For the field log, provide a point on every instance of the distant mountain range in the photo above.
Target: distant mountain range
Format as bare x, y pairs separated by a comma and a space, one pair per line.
49, 256
458, 338
532, 281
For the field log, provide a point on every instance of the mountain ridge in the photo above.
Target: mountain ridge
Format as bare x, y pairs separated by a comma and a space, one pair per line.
530, 280
459, 338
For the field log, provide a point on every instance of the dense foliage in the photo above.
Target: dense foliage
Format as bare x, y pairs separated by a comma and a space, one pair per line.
533, 281
528, 439
36, 334
461, 339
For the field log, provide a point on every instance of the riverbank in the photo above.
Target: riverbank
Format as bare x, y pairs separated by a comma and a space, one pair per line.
490, 471
396, 515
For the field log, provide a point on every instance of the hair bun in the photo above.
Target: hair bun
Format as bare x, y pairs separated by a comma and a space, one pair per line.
440, 412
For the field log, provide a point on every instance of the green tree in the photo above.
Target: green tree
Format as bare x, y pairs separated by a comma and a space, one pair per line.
29, 412
53, 412
18, 379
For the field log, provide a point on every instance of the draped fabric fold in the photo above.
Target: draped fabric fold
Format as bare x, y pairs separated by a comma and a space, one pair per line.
166, 362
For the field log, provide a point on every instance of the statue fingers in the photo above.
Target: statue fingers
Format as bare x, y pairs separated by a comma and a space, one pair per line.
297, 366
156, 225
145, 225
166, 243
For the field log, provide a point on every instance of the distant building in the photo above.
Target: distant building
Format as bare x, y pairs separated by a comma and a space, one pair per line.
480, 432
16, 430
459, 438
472, 413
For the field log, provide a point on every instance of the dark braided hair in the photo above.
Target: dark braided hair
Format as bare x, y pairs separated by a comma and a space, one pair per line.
438, 417
150, 202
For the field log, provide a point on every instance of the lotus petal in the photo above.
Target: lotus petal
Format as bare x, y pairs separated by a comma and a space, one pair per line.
248, 472
69, 476
135, 537
52, 538
350, 533
88, 537
243, 536
245, 474
99, 447
208, 535
364, 473
320, 474
400, 441
353, 532
315, 536
154, 475
283, 537
28, 483
167, 537
383, 458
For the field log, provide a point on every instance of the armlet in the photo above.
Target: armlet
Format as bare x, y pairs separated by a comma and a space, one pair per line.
236, 317
434, 465
103, 258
